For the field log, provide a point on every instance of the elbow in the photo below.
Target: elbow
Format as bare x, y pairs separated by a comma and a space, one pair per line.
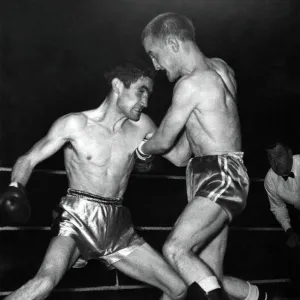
177, 164
164, 149
165, 146
180, 163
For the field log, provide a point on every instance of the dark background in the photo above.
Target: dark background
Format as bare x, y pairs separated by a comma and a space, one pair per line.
52, 58
53, 55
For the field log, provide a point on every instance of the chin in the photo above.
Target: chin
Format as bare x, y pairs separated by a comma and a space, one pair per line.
172, 78
135, 119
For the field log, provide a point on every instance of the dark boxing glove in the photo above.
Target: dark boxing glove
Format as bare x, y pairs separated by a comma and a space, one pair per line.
144, 161
14, 205
293, 239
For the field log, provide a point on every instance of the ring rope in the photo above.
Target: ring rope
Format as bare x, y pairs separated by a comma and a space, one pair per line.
141, 286
163, 228
141, 228
61, 172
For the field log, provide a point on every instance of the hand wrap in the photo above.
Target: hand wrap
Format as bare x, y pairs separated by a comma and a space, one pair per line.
143, 161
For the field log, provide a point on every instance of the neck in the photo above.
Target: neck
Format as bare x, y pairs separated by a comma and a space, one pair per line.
193, 59
290, 169
109, 114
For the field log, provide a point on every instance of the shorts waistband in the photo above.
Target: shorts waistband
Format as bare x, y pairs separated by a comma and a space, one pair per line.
95, 198
236, 154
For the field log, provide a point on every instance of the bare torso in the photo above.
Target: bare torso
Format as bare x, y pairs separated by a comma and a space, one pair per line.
213, 127
100, 161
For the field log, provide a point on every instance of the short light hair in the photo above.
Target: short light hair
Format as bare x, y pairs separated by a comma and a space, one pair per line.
169, 24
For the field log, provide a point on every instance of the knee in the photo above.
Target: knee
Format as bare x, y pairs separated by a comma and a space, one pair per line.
174, 249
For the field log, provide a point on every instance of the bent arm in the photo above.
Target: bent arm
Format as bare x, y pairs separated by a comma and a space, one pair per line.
59, 133
144, 163
174, 121
180, 154
278, 207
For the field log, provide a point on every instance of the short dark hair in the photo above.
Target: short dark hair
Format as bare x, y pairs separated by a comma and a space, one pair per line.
167, 24
271, 144
130, 71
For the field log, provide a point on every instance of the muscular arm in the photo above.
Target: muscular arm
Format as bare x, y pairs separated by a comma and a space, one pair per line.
175, 119
180, 154
60, 132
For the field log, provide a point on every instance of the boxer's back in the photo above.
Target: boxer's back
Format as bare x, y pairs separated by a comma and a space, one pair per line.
213, 126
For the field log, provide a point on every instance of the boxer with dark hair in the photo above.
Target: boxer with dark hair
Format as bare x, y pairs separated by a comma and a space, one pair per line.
91, 222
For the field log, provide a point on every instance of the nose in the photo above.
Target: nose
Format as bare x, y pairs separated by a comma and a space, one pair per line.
145, 102
155, 64
274, 162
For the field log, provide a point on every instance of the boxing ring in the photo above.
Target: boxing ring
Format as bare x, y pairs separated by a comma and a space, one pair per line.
256, 244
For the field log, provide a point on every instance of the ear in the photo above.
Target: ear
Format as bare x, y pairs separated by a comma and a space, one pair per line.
290, 152
173, 43
117, 85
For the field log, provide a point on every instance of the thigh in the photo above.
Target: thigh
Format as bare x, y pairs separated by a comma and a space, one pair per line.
199, 223
60, 256
147, 265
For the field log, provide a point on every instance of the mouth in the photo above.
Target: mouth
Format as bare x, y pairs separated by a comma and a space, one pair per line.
280, 171
139, 110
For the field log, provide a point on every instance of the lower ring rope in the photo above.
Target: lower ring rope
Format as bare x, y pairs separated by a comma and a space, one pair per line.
141, 286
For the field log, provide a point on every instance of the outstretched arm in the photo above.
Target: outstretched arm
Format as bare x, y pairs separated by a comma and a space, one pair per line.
174, 121
60, 132
14, 205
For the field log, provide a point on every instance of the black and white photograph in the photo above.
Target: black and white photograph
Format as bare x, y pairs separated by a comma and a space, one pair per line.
149, 149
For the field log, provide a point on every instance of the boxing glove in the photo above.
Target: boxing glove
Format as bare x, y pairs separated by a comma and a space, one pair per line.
293, 239
143, 161
14, 205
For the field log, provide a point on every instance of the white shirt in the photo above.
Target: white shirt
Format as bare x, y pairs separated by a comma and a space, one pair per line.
281, 192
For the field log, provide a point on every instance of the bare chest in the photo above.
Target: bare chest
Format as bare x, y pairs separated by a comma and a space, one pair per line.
100, 146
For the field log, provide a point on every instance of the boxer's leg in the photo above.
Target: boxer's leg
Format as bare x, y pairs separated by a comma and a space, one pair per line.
61, 255
147, 265
200, 223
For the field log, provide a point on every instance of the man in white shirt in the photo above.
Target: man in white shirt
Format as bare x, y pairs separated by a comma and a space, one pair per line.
282, 184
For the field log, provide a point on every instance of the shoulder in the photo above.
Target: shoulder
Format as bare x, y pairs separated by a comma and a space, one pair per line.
187, 85
296, 158
71, 121
270, 178
145, 123
221, 65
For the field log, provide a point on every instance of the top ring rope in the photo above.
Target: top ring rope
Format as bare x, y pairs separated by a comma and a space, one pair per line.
61, 172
